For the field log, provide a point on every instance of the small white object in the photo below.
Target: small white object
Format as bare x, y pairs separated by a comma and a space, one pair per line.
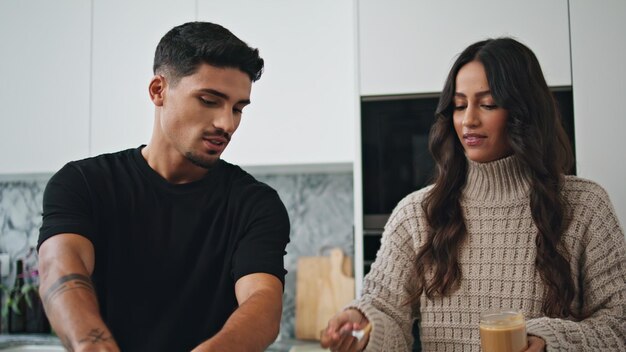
360, 334
4, 264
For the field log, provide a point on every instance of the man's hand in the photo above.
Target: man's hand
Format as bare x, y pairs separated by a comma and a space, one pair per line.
535, 344
338, 335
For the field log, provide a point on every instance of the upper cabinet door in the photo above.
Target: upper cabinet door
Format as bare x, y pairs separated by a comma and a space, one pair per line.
599, 82
125, 36
304, 106
408, 46
44, 84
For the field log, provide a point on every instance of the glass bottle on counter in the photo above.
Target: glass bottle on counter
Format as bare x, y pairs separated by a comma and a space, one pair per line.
36, 320
17, 310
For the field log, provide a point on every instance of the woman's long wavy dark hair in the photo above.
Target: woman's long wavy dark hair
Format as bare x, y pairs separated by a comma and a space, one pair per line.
540, 144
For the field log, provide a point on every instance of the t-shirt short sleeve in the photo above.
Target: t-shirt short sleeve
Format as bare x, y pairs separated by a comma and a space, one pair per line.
66, 206
262, 246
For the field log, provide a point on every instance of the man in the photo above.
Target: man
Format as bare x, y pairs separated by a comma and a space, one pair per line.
167, 247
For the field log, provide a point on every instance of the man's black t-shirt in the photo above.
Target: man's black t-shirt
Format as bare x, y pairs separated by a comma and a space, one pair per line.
167, 256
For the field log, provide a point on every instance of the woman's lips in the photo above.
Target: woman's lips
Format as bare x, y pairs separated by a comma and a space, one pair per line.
473, 139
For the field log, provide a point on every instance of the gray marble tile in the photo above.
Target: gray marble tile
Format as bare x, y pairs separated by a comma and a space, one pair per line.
20, 219
320, 207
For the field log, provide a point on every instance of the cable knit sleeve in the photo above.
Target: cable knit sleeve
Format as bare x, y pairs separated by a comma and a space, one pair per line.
602, 279
386, 288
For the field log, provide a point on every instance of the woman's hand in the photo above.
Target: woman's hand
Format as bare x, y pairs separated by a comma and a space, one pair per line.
535, 344
338, 335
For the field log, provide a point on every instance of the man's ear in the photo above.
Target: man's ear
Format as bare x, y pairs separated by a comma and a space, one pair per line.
157, 90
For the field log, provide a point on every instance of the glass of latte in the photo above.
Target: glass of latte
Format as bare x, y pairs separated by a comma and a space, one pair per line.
503, 330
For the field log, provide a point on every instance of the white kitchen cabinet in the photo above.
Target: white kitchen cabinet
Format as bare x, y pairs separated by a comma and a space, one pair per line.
598, 44
125, 36
408, 46
304, 106
44, 84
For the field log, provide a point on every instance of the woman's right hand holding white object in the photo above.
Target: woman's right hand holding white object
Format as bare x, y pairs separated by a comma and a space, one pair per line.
338, 335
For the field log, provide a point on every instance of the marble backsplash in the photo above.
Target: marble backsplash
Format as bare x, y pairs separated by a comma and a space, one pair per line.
320, 207
20, 219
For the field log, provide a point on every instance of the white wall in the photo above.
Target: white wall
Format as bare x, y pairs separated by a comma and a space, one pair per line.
598, 31
76, 74
44, 83
125, 35
303, 107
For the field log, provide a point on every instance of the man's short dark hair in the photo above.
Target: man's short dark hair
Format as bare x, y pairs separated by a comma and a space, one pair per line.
185, 47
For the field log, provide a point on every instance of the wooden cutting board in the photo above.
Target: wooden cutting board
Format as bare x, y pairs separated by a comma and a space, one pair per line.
324, 285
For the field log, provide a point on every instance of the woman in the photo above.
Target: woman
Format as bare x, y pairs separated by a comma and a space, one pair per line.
501, 227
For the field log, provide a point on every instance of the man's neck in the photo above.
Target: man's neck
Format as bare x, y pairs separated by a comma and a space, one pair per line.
172, 166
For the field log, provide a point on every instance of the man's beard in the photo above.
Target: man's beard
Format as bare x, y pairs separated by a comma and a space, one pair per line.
198, 161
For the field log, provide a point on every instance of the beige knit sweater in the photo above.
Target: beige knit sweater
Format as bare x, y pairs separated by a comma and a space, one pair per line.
498, 271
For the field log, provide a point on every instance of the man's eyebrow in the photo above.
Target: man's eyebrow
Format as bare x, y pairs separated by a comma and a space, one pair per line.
222, 95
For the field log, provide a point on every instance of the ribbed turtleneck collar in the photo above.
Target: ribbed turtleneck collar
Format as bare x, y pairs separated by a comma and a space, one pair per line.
496, 181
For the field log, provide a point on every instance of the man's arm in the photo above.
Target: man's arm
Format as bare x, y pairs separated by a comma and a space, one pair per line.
66, 262
255, 324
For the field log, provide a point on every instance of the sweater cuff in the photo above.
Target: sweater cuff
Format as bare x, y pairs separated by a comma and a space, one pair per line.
540, 327
375, 318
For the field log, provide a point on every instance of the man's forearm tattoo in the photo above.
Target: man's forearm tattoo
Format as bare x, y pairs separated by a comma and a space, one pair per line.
95, 336
66, 283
